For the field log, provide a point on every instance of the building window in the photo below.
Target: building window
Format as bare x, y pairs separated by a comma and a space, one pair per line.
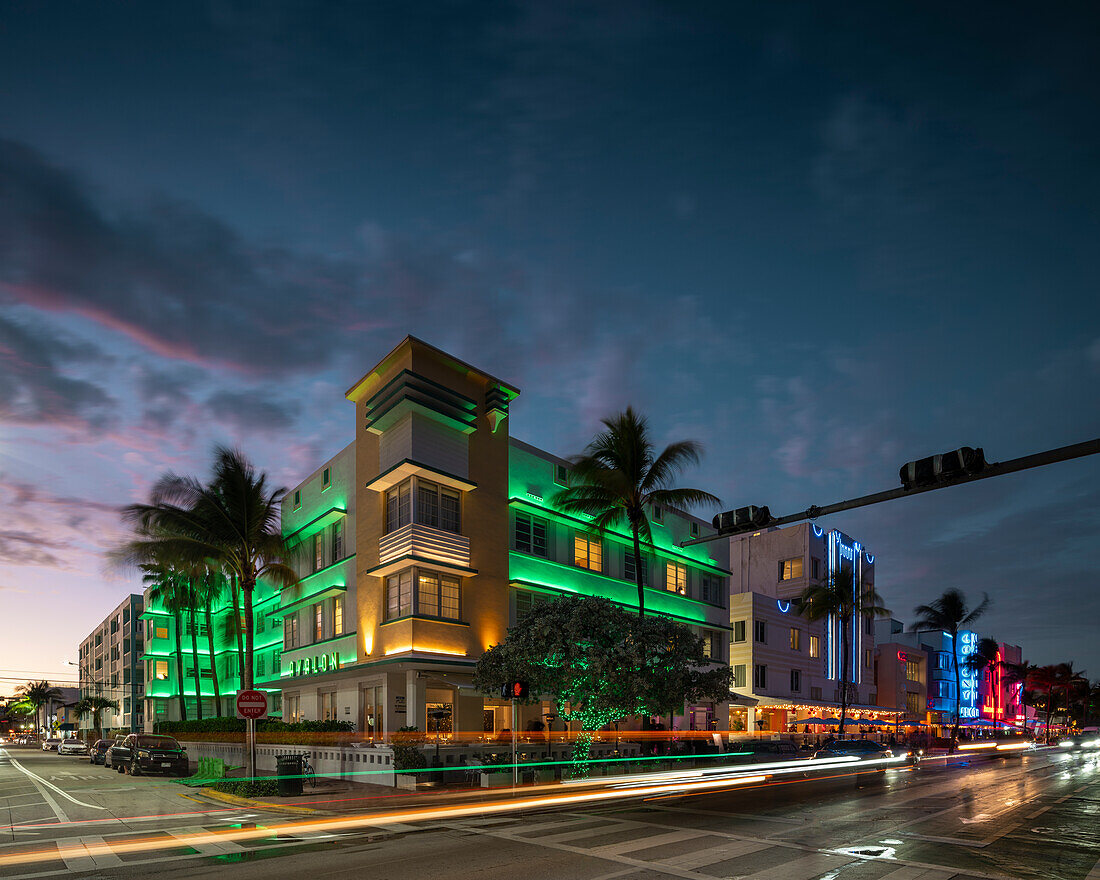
739, 675
912, 670
815, 646
739, 630
760, 631
261, 622
868, 658
658, 513
815, 568
326, 479
161, 632
318, 552
337, 541
760, 676
587, 552
297, 498
292, 708
796, 681
913, 703
399, 595
260, 665
160, 670
796, 639
399, 506
676, 578
328, 706
530, 535
436, 506
815, 693
630, 569
526, 600
789, 569
318, 622
712, 645
869, 624
276, 662
561, 475
338, 616
290, 630
695, 530
438, 596
710, 589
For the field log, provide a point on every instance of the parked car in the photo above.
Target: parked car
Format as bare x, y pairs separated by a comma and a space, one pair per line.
51, 744
148, 753
97, 754
864, 749
109, 754
72, 746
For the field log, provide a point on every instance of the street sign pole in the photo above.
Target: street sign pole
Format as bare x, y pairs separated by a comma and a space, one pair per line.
252, 748
515, 765
251, 704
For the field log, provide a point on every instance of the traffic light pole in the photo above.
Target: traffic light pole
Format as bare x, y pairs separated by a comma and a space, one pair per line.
1026, 462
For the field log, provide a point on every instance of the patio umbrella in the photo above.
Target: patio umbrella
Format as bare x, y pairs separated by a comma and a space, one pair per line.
812, 721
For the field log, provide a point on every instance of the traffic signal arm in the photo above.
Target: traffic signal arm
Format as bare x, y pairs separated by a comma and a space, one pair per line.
1026, 462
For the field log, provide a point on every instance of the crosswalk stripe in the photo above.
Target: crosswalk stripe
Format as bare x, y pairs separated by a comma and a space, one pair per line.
85, 853
207, 844
805, 868
714, 854
625, 846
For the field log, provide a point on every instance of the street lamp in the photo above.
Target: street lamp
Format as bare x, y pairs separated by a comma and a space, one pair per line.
550, 717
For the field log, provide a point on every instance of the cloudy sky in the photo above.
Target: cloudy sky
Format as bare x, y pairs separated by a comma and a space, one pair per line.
821, 242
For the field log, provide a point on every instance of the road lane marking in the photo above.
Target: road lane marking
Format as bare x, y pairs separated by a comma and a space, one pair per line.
206, 843
34, 777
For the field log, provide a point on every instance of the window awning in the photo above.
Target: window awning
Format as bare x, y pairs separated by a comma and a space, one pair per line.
319, 596
316, 524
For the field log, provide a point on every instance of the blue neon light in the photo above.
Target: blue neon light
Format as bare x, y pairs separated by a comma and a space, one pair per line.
817, 532
968, 678
783, 606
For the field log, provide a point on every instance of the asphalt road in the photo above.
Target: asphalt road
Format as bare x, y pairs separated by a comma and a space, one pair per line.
1036, 816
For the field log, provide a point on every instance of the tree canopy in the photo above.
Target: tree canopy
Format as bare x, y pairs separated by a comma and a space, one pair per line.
599, 662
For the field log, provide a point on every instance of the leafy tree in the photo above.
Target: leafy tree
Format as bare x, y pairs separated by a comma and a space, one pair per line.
950, 614
39, 694
840, 596
168, 586
95, 706
599, 662
619, 475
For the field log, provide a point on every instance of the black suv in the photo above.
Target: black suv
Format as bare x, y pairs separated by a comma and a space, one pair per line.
146, 753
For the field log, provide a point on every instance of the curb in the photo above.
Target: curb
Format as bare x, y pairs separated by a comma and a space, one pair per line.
254, 804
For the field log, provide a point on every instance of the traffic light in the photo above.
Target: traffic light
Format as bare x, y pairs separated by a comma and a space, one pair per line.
516, 690
965, 461
742, 519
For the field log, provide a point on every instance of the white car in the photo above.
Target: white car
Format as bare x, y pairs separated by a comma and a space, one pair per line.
51, 744
72, 747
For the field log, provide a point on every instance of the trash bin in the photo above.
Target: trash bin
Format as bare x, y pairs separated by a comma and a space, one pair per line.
289, 771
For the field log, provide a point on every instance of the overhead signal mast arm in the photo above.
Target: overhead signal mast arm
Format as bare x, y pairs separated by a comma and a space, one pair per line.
964, 465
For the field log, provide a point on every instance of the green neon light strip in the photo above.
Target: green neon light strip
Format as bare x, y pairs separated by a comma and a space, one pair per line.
663, 546
496, 768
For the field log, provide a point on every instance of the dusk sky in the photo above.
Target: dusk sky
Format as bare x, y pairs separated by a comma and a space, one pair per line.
821, 242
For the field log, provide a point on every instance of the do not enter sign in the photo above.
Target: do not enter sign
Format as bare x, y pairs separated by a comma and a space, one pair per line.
252, 704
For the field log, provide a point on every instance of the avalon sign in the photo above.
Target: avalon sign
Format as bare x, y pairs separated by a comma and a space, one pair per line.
318, 663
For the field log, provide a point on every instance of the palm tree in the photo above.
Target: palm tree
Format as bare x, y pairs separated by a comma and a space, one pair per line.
233, 523
168, 587
841, 596
987, 656
1072, 682
1019, 673
39, 694
208, 590
95, 706
619, 475
950, 614
1045, 680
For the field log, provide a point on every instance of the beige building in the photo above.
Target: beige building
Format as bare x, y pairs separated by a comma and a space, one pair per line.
426, 537
787, 668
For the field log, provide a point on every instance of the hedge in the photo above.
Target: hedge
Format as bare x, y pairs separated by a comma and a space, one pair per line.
247, 788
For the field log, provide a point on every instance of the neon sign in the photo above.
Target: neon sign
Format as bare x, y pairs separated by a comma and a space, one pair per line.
968, 678
783, 606
319, 663
902, 656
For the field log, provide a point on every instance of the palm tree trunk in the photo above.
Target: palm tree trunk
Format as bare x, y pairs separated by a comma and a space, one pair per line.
97, 718
213, 664
237, 628
958, 689
196, 670
843, 672
247, 586
1050, 708
638, 573
179, 665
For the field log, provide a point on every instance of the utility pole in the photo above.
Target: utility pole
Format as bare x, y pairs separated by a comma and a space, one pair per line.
963, 465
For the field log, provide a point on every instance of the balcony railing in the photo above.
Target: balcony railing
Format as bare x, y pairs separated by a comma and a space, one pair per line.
425, 542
